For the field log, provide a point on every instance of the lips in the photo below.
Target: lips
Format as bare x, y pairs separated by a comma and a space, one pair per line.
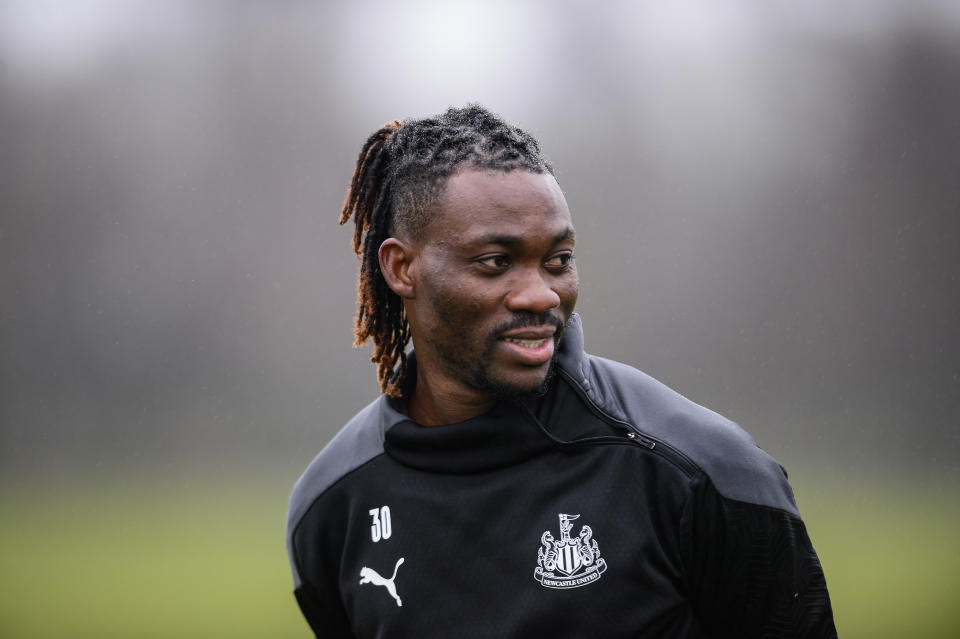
530, 346
529, 333
526, 343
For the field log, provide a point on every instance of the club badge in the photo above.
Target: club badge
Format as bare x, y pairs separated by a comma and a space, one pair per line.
568, 562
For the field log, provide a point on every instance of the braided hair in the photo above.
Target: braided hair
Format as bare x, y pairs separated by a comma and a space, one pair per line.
399, 177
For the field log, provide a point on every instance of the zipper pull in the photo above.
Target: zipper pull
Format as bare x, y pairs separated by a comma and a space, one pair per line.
640, 439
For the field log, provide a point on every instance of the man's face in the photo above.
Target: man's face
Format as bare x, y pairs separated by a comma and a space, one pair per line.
495, 282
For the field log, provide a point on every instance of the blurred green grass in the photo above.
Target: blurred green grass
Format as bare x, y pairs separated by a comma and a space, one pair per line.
188, 557
138, 558
890, 550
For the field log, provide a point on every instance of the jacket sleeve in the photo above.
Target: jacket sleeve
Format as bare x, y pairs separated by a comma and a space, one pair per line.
315, 568
323, 613
751, 570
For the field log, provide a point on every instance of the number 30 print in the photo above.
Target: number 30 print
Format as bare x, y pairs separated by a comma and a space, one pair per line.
381, 527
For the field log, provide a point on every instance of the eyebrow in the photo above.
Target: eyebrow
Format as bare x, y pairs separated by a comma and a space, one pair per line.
514, 240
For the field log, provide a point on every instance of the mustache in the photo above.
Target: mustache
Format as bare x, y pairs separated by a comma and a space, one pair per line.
527, 320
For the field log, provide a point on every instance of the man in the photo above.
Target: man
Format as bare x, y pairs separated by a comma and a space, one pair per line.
507, 484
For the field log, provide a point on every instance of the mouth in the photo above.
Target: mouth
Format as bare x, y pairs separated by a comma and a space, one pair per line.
530, 346
526, 343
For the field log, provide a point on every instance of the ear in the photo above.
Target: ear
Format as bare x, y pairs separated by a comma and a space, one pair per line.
396, 264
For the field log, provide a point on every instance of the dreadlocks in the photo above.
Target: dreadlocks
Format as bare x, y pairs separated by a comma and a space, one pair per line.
400, 175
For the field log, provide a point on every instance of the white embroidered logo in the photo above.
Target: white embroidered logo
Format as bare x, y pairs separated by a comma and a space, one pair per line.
568, 562
371, 576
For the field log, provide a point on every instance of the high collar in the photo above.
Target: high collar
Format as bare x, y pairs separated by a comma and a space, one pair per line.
507, 434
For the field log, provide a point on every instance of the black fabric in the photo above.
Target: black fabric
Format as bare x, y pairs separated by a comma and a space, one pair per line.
323, 613
753, 571
474, 507
506, 435
470, 543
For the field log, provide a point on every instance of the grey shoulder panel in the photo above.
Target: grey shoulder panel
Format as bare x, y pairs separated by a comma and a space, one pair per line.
738, 468
359, 441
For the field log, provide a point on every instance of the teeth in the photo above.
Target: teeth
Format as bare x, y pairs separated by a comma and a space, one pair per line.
527, 343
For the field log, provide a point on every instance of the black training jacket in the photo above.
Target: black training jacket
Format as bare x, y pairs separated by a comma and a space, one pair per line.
610, 507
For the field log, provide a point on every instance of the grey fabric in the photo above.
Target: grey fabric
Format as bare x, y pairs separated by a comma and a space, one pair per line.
738, 468
357, 443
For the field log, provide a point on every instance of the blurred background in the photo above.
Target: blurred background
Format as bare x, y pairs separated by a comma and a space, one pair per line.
767, 205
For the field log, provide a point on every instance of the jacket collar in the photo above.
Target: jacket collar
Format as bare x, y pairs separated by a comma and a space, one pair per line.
570, 354
507, 434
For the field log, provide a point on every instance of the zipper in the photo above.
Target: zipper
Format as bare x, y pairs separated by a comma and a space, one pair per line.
640, 439
632, 434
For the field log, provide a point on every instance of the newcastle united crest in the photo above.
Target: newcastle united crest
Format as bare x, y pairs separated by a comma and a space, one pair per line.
568, 562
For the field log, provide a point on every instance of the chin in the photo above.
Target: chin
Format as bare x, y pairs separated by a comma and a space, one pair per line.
534, 383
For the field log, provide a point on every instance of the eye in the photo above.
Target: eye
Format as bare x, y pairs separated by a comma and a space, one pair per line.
496, 262
560, 261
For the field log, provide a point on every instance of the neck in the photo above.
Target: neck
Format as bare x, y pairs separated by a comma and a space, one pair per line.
441, 401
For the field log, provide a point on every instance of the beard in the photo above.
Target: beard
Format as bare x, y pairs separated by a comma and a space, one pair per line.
476, 371
481, 379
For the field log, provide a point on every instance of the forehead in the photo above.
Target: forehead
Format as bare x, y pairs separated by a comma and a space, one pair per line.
477, 202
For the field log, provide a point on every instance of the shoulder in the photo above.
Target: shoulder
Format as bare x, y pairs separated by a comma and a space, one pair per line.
358, 442
723, 451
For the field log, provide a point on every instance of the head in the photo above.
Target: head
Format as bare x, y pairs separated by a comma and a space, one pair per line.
466, 245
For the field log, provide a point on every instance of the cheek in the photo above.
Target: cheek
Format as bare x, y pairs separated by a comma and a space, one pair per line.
457, 306
568, 291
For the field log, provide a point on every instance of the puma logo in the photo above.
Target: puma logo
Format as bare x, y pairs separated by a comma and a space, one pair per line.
371, 576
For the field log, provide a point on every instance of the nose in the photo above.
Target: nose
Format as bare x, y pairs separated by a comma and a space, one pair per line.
531, 292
